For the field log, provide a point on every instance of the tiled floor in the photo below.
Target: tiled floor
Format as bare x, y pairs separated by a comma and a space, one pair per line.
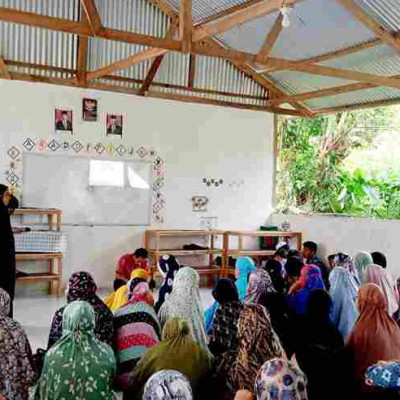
35, 314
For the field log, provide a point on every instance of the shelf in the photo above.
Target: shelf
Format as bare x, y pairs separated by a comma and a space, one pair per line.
181, 252
254, 253
37, 211
37, 256
263, 233
182, 233
40, 277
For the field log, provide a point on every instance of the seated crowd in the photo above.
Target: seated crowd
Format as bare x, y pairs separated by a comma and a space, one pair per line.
284, 330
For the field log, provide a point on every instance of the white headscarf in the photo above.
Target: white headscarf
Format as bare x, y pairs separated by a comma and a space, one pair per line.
185, 302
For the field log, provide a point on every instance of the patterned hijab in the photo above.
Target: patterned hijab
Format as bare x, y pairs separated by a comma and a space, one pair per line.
82, 287
361, 260
259, 283
345, 261
79, 366
257, 343
188, 357
279, 379
168, 385
381, 277
375, 336
138, 290
185, 302
16, 372
244, 267
343, 291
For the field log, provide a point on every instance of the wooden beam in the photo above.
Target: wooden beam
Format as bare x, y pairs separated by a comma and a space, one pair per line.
4, 69
42, 21
185, 24
117, 79
192, 71
361, 106
270, 40
239, 17
151, 74
370, 23
92, 15
164, 7
83, 44
335, 54
335, 72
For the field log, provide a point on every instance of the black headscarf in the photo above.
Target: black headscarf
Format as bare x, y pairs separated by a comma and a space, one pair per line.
274, 269
7, 249
379, 259
225, 291
320, 348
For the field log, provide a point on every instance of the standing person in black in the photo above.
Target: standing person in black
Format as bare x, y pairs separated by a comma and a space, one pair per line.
7, 246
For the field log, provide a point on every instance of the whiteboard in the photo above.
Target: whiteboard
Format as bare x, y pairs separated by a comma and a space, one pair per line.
60, 181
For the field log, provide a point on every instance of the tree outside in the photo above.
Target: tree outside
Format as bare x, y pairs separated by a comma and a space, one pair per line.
347, 163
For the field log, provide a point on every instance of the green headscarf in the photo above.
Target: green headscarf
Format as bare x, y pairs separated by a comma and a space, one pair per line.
79, 366
178, 352
361, 261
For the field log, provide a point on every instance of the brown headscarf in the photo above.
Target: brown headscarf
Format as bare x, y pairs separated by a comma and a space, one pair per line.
258, 343
375, 336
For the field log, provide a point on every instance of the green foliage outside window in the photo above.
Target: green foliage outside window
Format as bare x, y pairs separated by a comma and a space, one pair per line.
347, 163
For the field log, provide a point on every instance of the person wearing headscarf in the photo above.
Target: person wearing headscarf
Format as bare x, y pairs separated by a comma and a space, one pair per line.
137, 330
185, 302
258, 343
310, 279
244, 267
345, 261
279, 379
274, 270
259, 282
223, 336
343, 291
119, 298
79, 366
375, 337
178, 352
379, 259
361, 260
320, 347
381, 277
384, 375
82, 287
280, 319
168, 385
16, 370
168, 267
7, 247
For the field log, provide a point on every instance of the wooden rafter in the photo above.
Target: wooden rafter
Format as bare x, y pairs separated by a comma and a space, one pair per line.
270, 40
369, 22
83, 44
335, 72
192, 71
185, 24
151, 74
335, 54
4, 69
92, 15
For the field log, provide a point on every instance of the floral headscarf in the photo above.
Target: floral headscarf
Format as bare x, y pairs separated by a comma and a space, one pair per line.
16, 372
279, 379
168, 385
345, 261
185, 302
259, 283
82, 287
139, 291
79, 366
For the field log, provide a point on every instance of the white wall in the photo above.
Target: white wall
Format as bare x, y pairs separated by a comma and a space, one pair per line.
196, 140
348, 235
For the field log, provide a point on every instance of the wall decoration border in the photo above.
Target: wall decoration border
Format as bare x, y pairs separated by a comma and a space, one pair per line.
78, 148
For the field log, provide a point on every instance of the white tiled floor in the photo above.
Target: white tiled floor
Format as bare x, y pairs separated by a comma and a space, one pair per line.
35, 314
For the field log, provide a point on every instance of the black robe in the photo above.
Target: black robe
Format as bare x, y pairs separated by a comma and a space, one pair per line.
7, 253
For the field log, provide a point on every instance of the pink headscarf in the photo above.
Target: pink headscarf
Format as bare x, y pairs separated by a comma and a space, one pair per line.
141, 292
381, 277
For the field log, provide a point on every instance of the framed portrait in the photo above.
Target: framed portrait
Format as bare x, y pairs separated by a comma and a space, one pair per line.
64, 121
89, 110
114, 125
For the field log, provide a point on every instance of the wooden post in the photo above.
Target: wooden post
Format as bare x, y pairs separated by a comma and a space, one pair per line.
59, 222
225, 256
